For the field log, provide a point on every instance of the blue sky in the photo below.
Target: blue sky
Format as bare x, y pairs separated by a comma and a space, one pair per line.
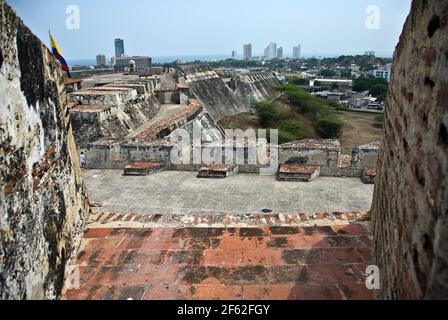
195, 27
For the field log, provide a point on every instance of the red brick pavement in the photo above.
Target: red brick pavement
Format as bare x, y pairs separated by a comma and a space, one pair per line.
261, 263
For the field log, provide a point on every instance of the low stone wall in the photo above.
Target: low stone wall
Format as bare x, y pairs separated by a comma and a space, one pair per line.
325, 154
321, 153
366, 155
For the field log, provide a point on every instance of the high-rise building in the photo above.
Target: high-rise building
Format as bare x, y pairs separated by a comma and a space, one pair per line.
370, 53
248, 51
100, 60
271, 51
280, 53
234, 54
296, 52
119, 48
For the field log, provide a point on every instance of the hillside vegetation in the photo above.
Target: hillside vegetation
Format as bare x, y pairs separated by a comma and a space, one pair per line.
325, 118
271, 116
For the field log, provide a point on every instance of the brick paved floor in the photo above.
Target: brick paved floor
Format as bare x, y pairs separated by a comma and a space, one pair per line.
260, 263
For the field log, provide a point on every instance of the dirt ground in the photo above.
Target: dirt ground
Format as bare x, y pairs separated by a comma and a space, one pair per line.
242, 121
359, 129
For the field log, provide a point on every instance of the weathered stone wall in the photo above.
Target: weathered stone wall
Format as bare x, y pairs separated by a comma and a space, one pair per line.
322, 153
43, 202
130, 106
366, 155
218, 99
410, 207
256, 87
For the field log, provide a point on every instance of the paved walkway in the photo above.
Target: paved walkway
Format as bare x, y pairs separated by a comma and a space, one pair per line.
182, 193
256, 263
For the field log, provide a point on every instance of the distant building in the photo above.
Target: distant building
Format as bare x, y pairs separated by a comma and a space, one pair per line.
370, 53
384, 73
271, 51
280, 53
100, 60
119, 48
234, 54
332, 84
139, 64
248, 51
296, 52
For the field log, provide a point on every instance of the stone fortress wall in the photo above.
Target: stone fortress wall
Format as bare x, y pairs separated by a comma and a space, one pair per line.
43, 202
410, 207
125, 122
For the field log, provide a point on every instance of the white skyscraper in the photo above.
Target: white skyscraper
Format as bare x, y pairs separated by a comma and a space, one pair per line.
280, 53
271, 51
296, 52
247, 51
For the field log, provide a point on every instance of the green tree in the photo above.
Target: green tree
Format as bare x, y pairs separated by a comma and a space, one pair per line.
378, 90
361, 84
328, 73
267, 113
300, 82
330, 127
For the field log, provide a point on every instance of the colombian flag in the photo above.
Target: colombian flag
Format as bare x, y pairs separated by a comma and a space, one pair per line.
58, 54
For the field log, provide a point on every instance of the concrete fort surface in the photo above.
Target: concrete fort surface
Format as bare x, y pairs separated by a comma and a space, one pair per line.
173, 192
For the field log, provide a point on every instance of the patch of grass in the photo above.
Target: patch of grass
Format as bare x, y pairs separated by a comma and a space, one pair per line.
379, 120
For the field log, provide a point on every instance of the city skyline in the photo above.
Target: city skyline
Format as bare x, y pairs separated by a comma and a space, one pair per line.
222, 35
